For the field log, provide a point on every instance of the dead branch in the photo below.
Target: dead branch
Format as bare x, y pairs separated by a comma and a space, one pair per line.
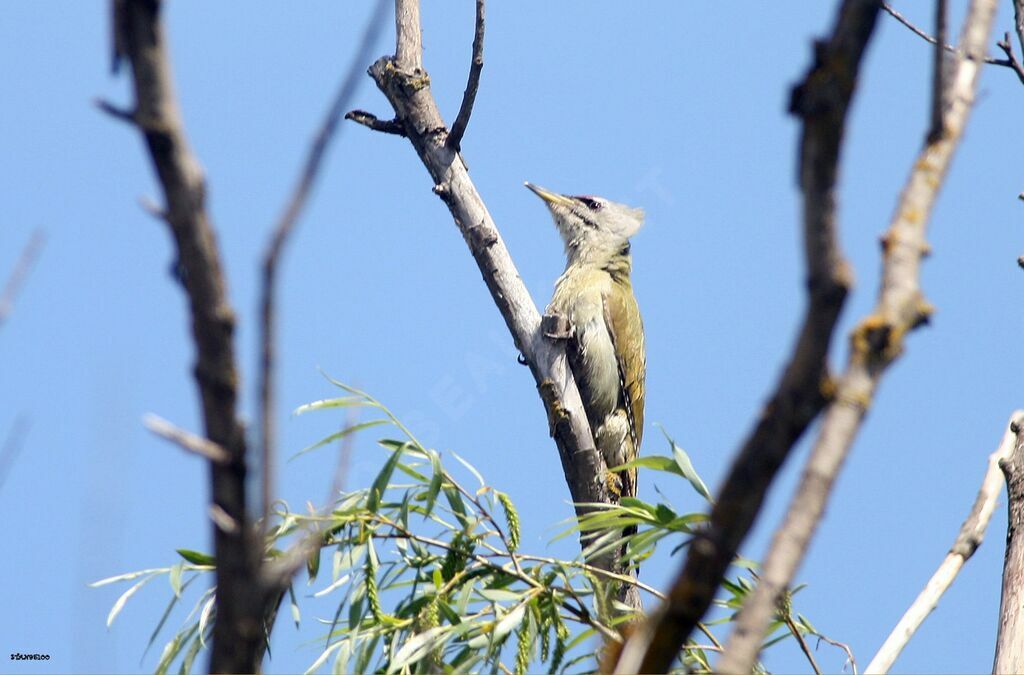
921, 33
406, 85
1011, 58
116, 111
370, 121
967, 542
1009, 656
185, 440
840, 645
875, 344
454, 140
238, 634
821, 102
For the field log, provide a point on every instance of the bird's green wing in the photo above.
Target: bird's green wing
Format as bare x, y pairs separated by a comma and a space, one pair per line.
622, 317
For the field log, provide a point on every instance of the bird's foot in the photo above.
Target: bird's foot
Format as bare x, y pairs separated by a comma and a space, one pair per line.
614, 484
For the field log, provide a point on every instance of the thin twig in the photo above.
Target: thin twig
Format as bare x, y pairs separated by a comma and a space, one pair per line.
822, 102
185, 440
13, 444
1011, 58
624, 578
840, 645
875, 344
279, 237
795, 632
21, 270
967, 541
116, 111
891, 11
938, 71
370, 121
454, 140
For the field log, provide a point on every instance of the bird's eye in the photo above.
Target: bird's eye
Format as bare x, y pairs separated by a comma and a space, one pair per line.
590, 203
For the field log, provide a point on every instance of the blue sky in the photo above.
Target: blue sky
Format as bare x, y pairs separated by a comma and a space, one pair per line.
678, 107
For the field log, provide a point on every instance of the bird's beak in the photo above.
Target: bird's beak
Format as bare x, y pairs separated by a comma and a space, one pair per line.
551, 198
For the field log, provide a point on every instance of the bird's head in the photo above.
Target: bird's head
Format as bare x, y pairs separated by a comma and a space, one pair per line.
593, 228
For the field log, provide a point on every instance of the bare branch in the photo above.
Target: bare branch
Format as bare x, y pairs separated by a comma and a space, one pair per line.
238, 634
1011, 58
185, 440
1009, 656
840, 645
822, 102
116, 111
891, 11
370, 121
938, 71
20, 273
279, 238
876, 343
967, 542
407, 87
454, 140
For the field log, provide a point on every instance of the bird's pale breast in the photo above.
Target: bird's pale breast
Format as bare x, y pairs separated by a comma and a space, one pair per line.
579, 295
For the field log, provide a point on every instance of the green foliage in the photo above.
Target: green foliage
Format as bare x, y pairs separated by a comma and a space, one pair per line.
429, 576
